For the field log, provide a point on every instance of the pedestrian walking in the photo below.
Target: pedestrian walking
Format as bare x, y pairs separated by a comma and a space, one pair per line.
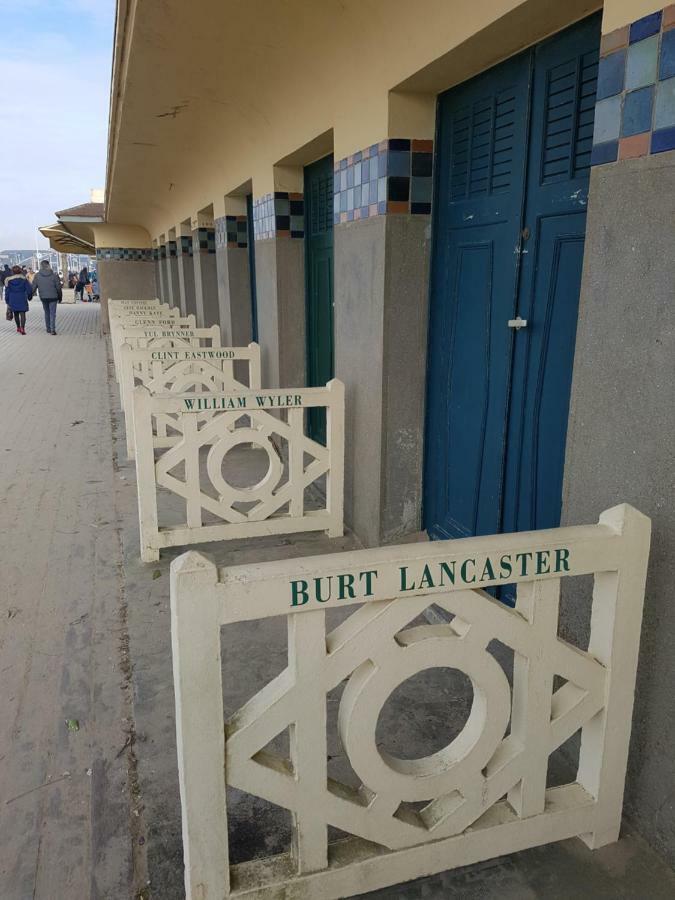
94, 287
4, 274
82, 280
17, 294
48, 284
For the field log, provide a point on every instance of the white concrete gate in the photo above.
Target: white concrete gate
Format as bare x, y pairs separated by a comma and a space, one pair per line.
273, 420
485, 794
178, 370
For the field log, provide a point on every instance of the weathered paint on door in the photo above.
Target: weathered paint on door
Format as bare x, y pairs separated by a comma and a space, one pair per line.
251, 266
319, 282
512, 175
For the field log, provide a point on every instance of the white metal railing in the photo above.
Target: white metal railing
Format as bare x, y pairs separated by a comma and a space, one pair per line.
277, 504
178, 370
483, 795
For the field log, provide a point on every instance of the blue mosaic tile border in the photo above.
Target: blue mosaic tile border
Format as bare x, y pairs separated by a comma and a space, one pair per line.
394, 176
204, 240
635, 108
236, 231
279, 215
125, 254
231, 232
184, 245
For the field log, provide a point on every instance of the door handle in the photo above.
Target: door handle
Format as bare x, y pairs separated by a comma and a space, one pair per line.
517, 323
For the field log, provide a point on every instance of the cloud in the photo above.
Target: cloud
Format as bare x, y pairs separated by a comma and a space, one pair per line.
53, 113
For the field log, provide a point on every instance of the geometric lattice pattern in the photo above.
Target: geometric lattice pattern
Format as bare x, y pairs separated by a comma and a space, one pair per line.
170, 366
270, 421
482, 795
376, 651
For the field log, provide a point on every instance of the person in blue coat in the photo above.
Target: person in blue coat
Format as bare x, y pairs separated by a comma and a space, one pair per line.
18, 292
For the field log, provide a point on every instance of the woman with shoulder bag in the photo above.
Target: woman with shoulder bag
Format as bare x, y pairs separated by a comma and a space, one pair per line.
18, 292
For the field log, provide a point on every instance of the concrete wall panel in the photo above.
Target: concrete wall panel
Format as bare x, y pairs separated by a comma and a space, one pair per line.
620, 444
359, 330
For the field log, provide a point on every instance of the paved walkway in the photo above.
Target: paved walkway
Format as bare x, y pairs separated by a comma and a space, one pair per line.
63, 787
89, 804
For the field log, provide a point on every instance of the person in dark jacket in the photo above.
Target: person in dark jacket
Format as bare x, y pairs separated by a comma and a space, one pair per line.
17, 294
6, 272
48, 285
82, 279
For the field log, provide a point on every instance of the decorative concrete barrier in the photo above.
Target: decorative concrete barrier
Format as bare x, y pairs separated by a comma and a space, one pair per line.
144, 319
179, 370
484, 794
271, 419
165, 337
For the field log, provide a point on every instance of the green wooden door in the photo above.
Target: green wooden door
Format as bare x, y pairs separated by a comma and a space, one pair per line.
319, 282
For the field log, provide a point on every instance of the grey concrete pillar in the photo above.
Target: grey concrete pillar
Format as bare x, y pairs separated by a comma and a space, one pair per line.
157, 268
162, 285
172, 274
280, 292
620, 441
381, 312
234, 282
206, 278
186, 276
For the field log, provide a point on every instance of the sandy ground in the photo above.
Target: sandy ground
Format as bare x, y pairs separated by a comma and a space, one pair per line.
64, 803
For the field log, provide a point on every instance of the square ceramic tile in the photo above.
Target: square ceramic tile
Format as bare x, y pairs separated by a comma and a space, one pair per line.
357, 196
357, 173
420, 190
664, 108
399, 163
422, 163
641, 63
667, 57
398, 188
663, 140
365, 171
381, 190
607, 120
604, 153
645, 27
637, 111
610, 74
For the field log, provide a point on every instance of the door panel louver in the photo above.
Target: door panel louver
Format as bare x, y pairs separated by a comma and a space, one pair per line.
482, 140
321, 205
568, 118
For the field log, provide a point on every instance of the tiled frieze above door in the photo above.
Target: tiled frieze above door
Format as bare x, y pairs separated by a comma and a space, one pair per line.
393, 176
635, 110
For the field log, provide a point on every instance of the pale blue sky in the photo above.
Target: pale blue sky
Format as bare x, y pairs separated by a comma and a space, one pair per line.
55, 81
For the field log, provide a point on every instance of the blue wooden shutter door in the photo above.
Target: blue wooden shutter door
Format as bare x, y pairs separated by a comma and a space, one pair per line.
512, 174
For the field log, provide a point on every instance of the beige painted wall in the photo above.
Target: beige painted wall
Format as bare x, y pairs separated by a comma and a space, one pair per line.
209, 101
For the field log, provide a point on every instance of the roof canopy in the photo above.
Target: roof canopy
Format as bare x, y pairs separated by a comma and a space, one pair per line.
63, 241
